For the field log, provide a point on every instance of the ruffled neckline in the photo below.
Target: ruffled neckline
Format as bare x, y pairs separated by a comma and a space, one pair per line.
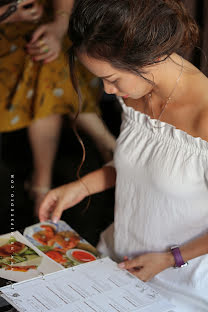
165, 130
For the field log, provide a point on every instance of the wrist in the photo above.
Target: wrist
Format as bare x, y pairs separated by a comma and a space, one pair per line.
61, 19
170, 259
62, 15
60, 26
83, 189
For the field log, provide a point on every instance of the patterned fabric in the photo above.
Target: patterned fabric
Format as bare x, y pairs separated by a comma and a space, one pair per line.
32, 90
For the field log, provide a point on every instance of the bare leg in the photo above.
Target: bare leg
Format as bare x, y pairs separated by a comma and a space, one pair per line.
95, 127
44, 136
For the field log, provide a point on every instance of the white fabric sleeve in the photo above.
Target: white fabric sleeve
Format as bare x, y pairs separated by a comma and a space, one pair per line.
110, 164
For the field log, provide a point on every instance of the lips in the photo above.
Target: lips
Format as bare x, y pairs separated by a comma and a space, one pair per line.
125, 96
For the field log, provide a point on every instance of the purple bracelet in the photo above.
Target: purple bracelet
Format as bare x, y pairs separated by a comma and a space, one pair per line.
179, 262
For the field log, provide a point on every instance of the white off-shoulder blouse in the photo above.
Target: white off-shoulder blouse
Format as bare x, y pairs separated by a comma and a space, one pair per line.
161, 200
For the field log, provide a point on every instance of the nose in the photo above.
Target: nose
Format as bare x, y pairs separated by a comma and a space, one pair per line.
109, 88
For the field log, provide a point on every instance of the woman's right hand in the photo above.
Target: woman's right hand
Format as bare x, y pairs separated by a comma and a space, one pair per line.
60, 199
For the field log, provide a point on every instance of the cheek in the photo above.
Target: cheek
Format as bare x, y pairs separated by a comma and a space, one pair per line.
142, 87
134, 86
127, 85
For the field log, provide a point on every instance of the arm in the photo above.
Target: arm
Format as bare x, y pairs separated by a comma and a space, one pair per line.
151, 264
26, 11
66, 196
63, 5
4, 10
193, 249
100, 180
46, 42
62, 12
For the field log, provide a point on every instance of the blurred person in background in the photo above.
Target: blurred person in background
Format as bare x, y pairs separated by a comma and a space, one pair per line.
199, 11
35, 87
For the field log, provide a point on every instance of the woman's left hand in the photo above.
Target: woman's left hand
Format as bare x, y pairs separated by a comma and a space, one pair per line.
46, 43
146, 266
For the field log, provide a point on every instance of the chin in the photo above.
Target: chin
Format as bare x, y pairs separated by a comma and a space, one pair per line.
135, 97
138, 97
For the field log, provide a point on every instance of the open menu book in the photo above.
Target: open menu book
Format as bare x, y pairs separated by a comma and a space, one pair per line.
45, 248
49, 282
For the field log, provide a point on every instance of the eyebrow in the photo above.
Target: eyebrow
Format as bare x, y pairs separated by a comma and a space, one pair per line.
104, 77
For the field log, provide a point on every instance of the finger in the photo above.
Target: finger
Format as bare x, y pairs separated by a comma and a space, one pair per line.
36, 12
37, 34
30, 14
47, 206
39, 50
33, 51
38, 44
25, 3
142, 275
132, 271
129, 264
45, 215
43, 56
35, 17
51, 59
56, 214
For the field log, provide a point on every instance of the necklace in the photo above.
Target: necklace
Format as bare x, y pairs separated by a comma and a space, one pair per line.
170, 95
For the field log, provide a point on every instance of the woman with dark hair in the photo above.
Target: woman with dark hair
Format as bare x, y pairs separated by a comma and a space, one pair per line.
160, 167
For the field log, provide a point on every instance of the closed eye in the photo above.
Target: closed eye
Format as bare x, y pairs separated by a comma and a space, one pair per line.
114, 81
107, 80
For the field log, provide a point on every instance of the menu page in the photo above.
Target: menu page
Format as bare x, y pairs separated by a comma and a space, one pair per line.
61, 243
98, 286
20, 260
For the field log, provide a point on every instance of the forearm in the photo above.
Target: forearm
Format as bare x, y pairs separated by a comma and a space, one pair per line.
5, 17
63, 5
3, 9
62, 12
193, 249
100, 180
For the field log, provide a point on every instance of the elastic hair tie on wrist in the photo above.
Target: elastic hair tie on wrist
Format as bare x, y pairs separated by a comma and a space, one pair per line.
62, 13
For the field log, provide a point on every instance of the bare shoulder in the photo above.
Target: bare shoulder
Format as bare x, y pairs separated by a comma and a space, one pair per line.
198, 97
201, 124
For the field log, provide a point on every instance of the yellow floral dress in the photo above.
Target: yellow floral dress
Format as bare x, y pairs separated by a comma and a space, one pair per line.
32, 90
